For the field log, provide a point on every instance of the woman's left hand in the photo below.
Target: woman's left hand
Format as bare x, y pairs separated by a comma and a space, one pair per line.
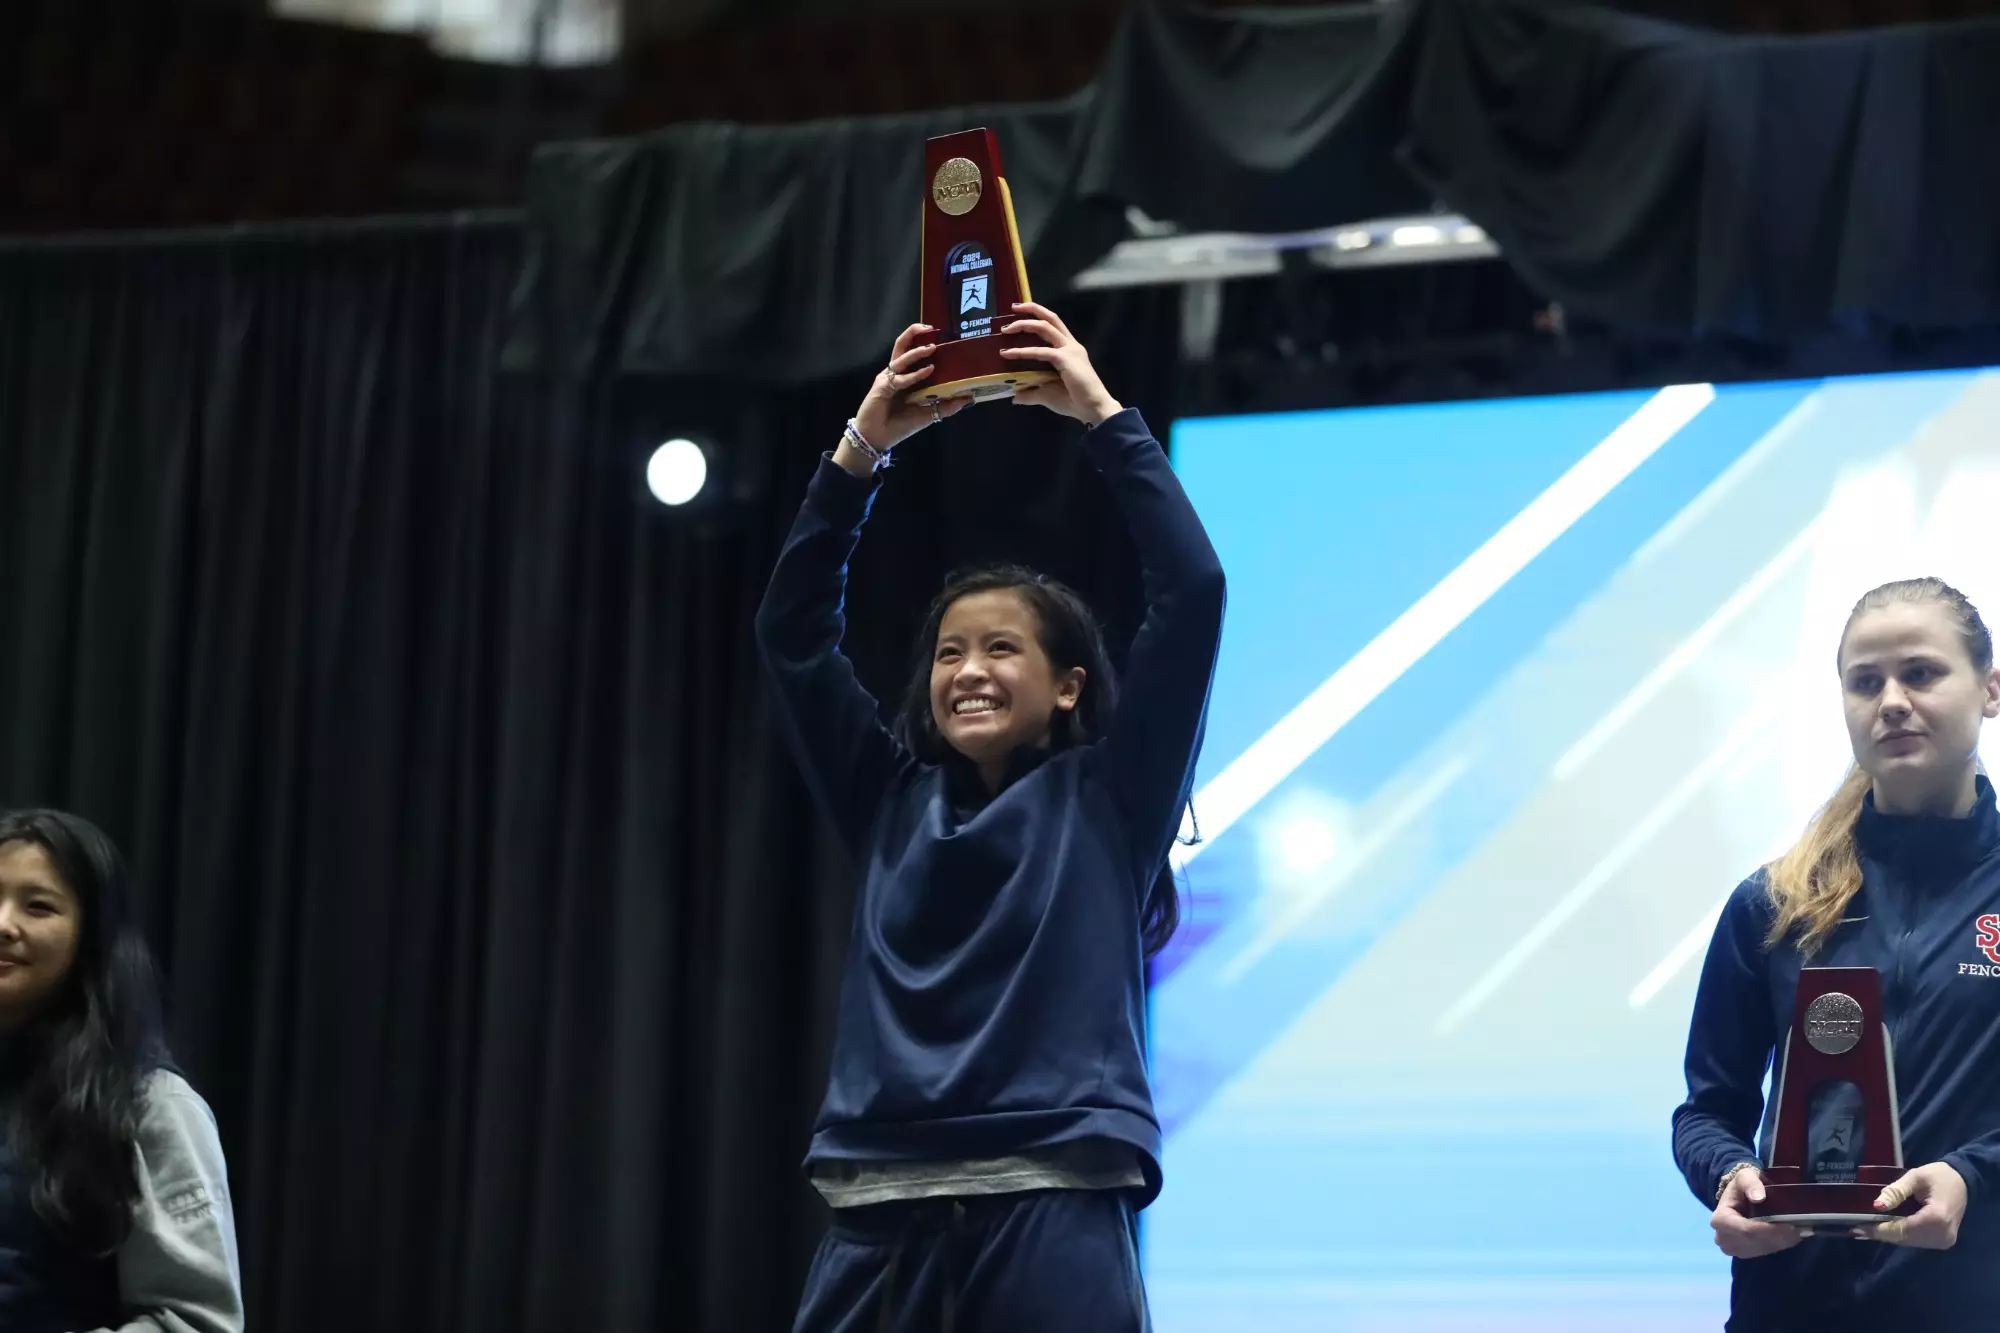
1932, 1227
1076, 391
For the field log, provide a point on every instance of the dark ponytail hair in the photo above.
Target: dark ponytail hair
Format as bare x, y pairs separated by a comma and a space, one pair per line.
83, 1064
1070, 637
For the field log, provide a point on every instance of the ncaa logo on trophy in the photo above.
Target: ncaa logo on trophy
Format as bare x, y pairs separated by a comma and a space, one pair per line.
1833, 1024
957, 186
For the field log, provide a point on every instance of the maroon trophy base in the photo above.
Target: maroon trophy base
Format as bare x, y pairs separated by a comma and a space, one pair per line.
975, 369
1816, 1205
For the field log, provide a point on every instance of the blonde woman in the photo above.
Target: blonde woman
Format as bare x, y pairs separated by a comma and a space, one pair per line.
1899, 872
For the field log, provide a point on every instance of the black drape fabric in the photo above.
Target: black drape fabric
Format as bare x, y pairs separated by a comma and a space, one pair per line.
1248, 120
788, 253
499, 929
256, 536
1657, 176
1668, 178
764, 252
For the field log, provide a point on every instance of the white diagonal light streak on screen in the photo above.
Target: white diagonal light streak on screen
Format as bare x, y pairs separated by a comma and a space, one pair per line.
1748, 729
1690, 648
1275, 755
1670, 966
1696, 940
1680, 525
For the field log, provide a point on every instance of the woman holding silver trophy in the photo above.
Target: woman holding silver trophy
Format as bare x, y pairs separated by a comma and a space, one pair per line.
1899, 875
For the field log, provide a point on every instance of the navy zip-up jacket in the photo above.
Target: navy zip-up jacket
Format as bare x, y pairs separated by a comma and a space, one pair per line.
1928, 918
993, 1001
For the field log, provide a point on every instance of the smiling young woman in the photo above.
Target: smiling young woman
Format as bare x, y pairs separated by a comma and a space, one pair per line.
114, 1202
988, 1133
1900, 872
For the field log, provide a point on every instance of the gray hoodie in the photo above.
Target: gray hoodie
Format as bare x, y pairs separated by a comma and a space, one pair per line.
177, 1271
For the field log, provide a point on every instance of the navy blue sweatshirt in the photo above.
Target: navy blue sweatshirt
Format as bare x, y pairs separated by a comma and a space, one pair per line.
1928, 918
993, 1002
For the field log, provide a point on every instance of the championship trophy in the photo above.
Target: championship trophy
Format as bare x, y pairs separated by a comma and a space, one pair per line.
972, 273
1838, 1138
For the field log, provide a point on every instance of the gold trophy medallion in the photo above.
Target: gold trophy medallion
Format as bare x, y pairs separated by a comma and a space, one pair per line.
957, 186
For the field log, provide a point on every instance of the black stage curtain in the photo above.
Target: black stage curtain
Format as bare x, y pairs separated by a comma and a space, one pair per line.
1659, 177
1671, 179
500, 932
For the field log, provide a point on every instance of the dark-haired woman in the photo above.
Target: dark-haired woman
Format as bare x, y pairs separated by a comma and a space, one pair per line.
1900, 872
988, 1131
114, 1205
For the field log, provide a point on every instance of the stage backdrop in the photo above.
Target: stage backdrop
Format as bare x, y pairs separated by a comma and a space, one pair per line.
498, 926
1511, 696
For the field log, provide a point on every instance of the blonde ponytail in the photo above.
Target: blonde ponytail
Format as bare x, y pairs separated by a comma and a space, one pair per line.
1812, 883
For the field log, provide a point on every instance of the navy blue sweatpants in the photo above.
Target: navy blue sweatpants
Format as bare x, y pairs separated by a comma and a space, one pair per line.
1046, 1261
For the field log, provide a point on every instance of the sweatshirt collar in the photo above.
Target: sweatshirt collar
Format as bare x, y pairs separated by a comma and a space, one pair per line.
1930, 844
968, 792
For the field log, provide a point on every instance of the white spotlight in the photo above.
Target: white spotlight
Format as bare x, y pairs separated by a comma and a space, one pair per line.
676, 472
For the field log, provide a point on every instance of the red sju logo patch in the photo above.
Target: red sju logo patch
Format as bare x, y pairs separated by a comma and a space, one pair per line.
1988, 927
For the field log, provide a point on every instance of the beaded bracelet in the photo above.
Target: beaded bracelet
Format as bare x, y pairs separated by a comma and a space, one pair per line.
878, 458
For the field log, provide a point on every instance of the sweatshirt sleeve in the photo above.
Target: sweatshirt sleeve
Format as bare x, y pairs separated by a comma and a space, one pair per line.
830, 720
1979, 1163
178, 1271
1155, 735
1731, 1040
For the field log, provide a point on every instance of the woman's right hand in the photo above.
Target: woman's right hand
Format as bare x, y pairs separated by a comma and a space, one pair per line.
886, 416
1741, 1236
